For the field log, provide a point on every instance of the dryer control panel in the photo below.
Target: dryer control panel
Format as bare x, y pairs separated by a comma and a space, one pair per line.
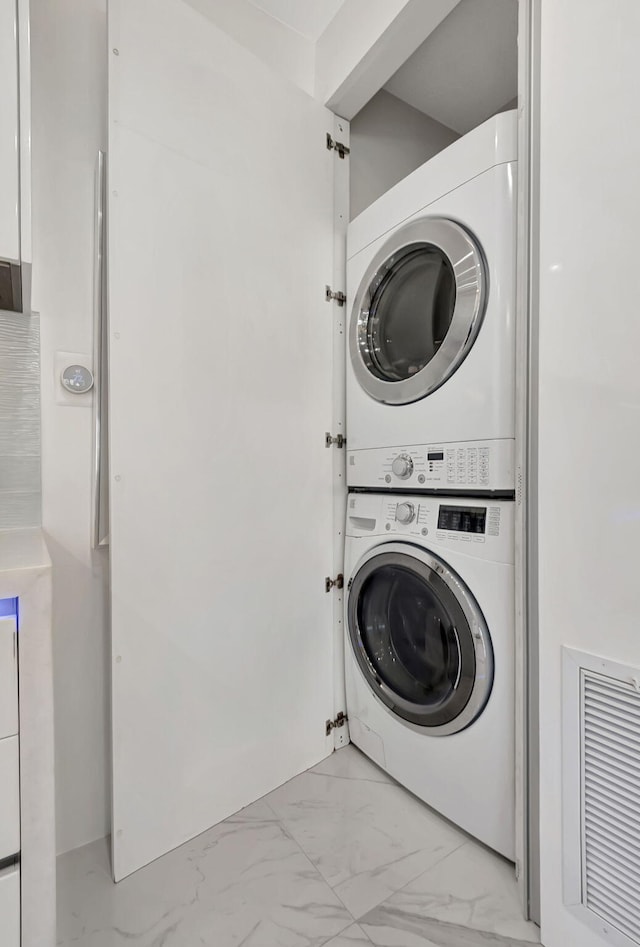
467, 467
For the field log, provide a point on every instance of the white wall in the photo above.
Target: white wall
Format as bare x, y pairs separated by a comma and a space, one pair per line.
283, 49
467, 69
364, 45
589, 383
69, 89
9, 141
390, 139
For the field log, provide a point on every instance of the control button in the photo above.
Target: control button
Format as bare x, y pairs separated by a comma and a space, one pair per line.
425, 531
421, 478
388, 526
405, 513
388, 478
402, 466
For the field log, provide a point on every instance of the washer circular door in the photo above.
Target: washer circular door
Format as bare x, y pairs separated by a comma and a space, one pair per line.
420, 638
417, 311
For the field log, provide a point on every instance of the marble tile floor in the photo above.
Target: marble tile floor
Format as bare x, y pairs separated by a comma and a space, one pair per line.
340, 856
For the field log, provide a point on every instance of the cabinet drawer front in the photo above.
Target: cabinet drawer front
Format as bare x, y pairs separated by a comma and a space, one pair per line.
9, 798
8, 676
10, 907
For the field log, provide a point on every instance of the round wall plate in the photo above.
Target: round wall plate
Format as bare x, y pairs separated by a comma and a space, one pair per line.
78, 379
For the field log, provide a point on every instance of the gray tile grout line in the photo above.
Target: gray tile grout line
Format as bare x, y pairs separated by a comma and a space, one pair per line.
353, 924
291, 780
350, 779
357, 920
356, 924
272, 810
396, 785
321, 877
415, 878
496, 940
435, 920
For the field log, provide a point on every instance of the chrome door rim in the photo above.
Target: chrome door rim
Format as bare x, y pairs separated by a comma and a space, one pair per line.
470, 275
483, 682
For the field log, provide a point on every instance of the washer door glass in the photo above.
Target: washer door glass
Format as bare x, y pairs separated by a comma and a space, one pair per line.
418, 311
420, 640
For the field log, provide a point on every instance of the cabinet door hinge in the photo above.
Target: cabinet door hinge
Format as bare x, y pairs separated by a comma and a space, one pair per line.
329, 295
339, 440
340, 147
340, 721
337, 583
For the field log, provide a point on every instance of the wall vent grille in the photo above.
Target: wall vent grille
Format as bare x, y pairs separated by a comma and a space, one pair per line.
610, 754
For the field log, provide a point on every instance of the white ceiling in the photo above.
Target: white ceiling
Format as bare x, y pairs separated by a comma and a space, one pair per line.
467, 69
309, 17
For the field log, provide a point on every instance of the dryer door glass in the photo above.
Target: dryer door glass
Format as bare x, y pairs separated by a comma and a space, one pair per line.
410, 313
412, 632
417, 311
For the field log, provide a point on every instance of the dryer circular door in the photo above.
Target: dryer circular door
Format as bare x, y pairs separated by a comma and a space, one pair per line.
417, 311
419, 638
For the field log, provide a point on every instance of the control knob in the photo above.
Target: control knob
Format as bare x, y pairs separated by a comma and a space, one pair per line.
402, 466
405, 513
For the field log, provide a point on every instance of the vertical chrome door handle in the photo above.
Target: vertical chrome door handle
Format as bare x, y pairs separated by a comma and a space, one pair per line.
100, 531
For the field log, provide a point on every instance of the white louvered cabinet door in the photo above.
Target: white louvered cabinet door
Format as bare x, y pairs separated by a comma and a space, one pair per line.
601, 795
611, 801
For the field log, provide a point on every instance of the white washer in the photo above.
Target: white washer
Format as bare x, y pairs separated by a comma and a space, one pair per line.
431, 286
429, 651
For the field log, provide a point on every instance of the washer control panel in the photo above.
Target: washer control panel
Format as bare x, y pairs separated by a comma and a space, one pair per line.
446, 520
468, 466
476, 527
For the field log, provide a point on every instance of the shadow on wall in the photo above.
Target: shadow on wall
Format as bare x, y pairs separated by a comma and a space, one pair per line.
69, 53
389, 140
81, 695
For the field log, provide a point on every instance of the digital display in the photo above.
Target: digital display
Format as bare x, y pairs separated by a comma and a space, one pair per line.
436, 456
463, 519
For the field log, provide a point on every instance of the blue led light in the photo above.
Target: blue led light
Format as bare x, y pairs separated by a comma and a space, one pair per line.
8, 607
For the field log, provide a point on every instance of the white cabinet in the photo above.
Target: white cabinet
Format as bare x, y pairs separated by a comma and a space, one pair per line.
15, 198
27, 804
8, 677
9, 782
9, 140
9, 746
9, 798
10, 906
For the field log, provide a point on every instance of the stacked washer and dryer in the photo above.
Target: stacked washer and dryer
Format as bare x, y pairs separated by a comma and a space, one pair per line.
429, 558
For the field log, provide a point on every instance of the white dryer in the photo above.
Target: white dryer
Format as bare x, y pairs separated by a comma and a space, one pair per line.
431, 286
429, 650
